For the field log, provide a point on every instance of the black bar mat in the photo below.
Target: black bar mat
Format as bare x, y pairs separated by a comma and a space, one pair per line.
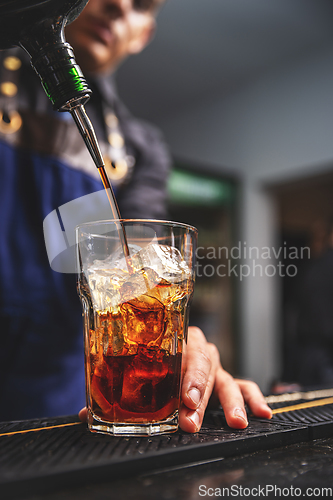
318, 419
42, 460
61, 451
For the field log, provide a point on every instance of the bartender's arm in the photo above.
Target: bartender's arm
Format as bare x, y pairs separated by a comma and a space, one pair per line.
204, 376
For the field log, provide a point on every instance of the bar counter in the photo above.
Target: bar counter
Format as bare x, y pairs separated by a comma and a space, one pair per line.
59, 458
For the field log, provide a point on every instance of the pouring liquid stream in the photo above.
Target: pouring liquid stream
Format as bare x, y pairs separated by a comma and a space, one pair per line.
87, 132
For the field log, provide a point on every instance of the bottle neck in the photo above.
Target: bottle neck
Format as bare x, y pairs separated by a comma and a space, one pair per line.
54, 61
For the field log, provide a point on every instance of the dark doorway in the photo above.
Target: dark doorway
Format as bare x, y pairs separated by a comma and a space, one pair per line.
305, 207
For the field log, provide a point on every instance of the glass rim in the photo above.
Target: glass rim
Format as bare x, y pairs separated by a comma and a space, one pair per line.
140, 221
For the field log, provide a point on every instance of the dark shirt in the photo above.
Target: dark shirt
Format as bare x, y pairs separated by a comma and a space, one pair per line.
44, 165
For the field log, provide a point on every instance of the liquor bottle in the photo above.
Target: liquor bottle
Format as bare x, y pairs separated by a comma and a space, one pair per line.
38, 27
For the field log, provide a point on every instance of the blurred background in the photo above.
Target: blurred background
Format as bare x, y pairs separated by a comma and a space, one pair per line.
243, 92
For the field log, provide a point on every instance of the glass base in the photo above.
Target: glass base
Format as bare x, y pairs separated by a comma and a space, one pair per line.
133, 429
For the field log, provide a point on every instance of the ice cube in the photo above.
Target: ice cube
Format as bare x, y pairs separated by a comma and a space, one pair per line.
104, 286
116, 260
98, 390
109, 338
144, 320
114, 339
166, 261
170, 294
119, 344
173, 330
136, 285
139, 390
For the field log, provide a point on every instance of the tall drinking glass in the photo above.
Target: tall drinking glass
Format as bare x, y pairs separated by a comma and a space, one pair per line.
135, 321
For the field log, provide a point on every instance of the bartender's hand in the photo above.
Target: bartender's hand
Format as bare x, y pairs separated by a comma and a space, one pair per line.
204, 376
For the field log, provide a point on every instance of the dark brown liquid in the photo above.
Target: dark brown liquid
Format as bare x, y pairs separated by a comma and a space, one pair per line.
116, 215
143, 387
86, 129
134, 356
109, 192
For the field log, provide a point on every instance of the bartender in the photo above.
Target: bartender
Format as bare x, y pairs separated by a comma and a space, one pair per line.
44, 164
